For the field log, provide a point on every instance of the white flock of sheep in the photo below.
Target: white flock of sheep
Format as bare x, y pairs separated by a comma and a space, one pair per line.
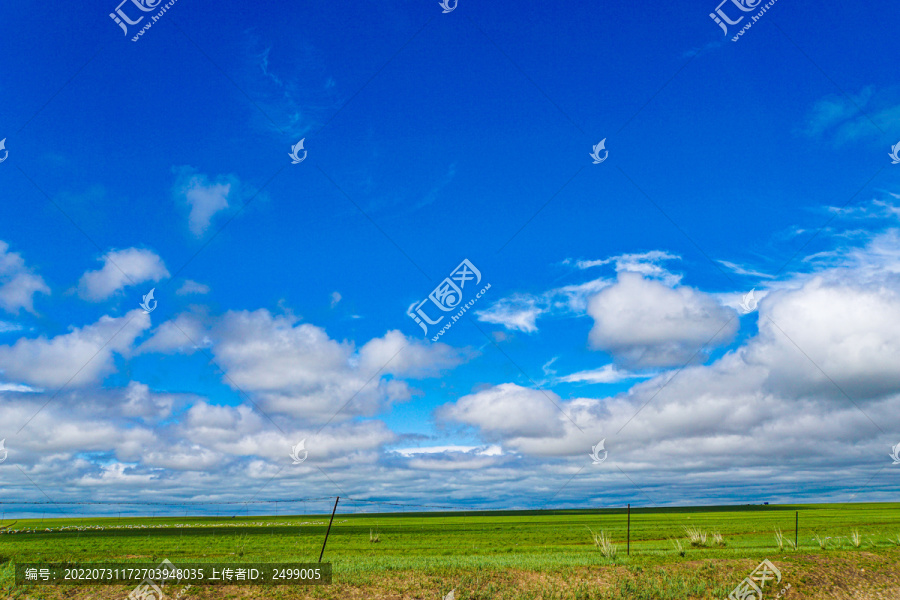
161, 526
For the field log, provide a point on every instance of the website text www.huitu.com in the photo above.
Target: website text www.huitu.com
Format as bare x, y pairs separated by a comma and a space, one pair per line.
153, 19
456, 317
753, 19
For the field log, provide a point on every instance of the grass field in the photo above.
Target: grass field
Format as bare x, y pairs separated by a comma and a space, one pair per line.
522, 554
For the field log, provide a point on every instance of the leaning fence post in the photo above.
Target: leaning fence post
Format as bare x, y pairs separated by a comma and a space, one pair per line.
329, 528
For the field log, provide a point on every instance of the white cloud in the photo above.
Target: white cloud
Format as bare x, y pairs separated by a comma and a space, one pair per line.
849, 332
140, 401
520, 312
400, 356
605, 374
192, 287
243, 431
645, 323
297, 369
121, 268
451, 458
492, 450
645, 263
18, 284
83, 356
185, 334
17, 387
761, 422
517, 312
508, 410
762, 418
203, 197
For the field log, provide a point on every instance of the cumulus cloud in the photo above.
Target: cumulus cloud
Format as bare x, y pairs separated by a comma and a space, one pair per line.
764, 421
812, 397
140, 401
520, 311
185, 334
492, 450
18, 284
204, 198
215, 452
121, 268
80, 357
243, 431
452, 458
400, 356
508, 410
297, 369
828, 332
645, 323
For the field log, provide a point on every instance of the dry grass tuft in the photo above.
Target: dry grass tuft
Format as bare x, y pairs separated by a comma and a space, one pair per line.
604, 543
696, 536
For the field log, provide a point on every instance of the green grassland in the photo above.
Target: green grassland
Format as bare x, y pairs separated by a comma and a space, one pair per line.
505, 554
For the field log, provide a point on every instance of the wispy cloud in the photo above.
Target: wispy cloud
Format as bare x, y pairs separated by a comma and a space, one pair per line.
605, 374
741, 270
192, 287
847, 118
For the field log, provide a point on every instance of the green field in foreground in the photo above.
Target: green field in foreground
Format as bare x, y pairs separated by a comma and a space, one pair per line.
476, 550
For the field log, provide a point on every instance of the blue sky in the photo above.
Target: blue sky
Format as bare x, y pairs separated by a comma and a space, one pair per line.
615, 288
